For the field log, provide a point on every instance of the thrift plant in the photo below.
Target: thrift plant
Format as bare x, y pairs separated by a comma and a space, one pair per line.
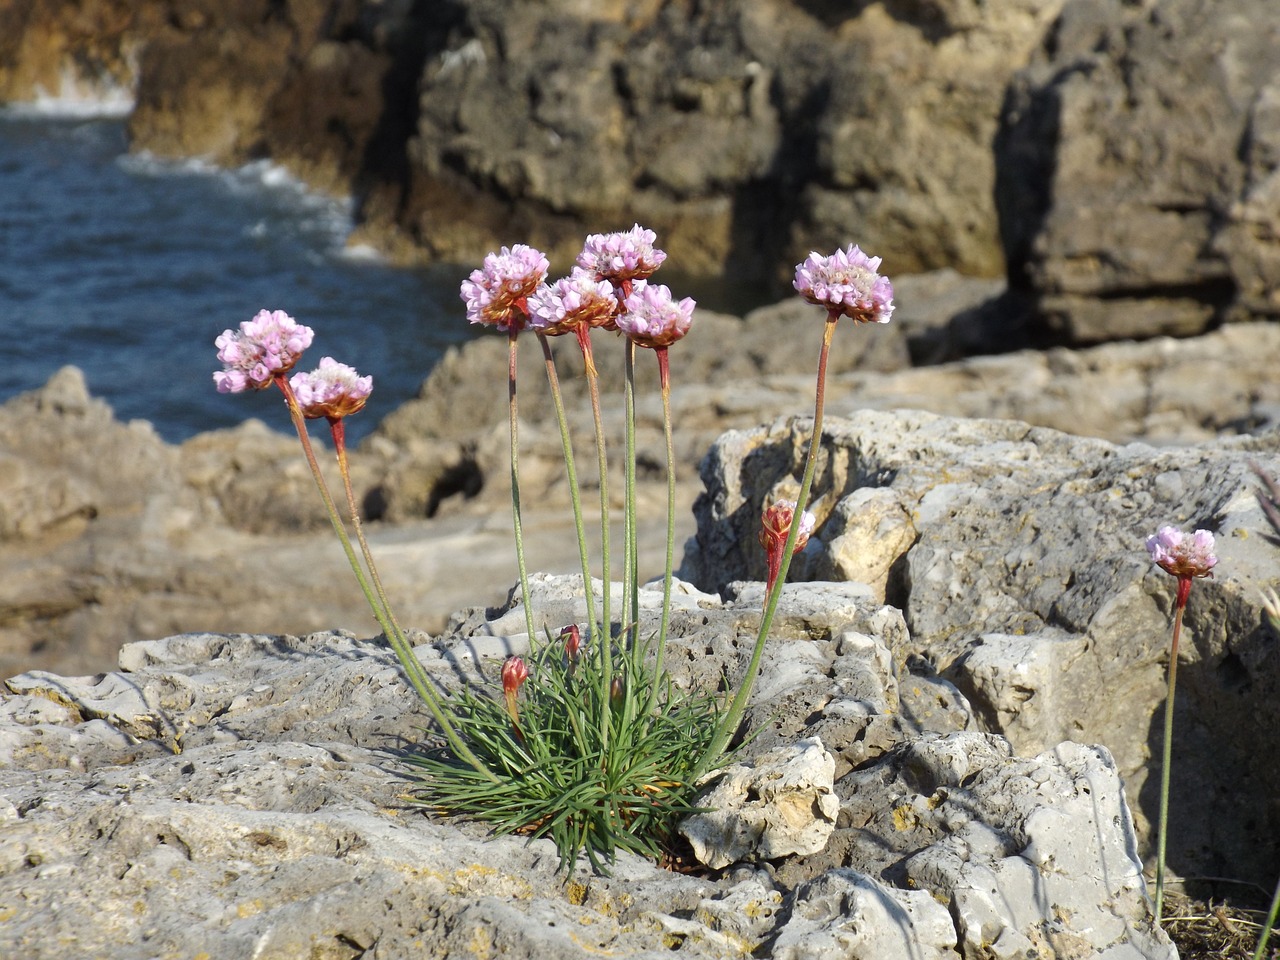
588, 742
1185, 557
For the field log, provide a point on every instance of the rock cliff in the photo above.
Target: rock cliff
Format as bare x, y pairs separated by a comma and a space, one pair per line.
1119, 158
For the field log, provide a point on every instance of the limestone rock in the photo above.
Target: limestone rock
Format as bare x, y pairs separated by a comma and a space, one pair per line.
1026, 585
779, 805
847, 914
234, 792
970, 827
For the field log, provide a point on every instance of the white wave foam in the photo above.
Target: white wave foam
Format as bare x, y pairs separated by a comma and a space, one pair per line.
77, 97
311, 211
362, 253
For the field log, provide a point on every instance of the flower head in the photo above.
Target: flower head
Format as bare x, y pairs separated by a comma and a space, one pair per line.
263, 348
333, 390
847, 284
775, 527
573, 300
496, 293
621, 257
1181, 555
652, 318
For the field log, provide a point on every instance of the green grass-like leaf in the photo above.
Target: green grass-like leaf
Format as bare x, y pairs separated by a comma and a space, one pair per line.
595, 773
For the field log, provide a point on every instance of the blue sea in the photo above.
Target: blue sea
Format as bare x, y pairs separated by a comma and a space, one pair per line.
128, 267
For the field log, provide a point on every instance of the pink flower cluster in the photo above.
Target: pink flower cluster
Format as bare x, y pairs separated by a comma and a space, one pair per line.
607, 289
653, 318
621, 257
496, 294
263, 348
333, 390
847, 284
1181, 555
267, 347
570, 302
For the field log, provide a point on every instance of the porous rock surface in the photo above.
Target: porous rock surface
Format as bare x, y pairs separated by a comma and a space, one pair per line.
240, 794
1016, 555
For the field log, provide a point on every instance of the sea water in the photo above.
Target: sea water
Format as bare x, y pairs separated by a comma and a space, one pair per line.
128, 267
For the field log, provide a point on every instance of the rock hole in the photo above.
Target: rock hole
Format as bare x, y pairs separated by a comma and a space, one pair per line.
465, 478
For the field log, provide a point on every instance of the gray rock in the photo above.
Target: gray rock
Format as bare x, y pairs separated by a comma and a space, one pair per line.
1026, 584
778, 805
238, 792
844, 914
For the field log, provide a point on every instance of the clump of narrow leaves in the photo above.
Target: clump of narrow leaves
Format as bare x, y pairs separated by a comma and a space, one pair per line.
599, 756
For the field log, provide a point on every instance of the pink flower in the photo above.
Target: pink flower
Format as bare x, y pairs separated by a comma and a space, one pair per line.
847, 284
620, 257
333, 390
1180, 555
775, 527
264, 347
652, 318
572, 301
496, 293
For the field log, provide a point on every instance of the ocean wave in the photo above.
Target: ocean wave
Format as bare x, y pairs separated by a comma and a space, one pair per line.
308, 211
77, 97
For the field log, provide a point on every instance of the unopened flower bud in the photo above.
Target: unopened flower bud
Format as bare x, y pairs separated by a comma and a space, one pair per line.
514, 673
572, 638
775, 527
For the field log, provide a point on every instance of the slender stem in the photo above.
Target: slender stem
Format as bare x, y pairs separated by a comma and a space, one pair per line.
1266, 927
337, 429
631, 559
729, 723
606, 634
404, 652
1184, 588
515, 485
593, 385
571, 471
664, 379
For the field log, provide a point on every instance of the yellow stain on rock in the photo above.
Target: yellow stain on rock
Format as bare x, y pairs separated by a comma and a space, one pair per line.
905, 818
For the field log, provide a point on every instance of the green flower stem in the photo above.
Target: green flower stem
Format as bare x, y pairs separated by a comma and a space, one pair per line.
571, 471
337, 429
606, 634
593, 382
1266, 927
399, 644
631, 562
664, 379
730, 721
1184, 590
515, 484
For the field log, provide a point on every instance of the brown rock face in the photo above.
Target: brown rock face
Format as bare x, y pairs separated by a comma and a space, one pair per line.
745, 133
60, 47
1137, 169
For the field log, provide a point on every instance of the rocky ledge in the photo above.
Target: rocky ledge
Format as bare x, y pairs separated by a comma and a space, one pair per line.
230, 795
